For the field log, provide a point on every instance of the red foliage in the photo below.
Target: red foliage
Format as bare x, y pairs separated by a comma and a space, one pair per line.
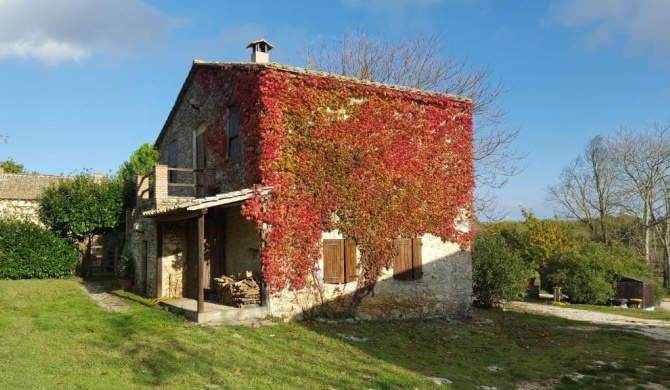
374, 162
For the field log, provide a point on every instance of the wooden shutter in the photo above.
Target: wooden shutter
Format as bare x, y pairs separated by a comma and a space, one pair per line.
408, 262
402, 268
234, 140
200, 151
172, 154
200, 164
333, 261
417, 268
350, 261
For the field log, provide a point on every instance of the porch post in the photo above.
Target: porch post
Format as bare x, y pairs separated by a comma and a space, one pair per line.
201, 261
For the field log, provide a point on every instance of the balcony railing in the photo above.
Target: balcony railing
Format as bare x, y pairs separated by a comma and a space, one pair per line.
166, 182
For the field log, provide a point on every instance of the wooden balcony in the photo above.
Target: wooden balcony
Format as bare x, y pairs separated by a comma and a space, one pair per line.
168, 185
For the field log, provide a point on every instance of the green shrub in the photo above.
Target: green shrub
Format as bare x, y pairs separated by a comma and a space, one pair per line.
497, 273
29, 251
590, 273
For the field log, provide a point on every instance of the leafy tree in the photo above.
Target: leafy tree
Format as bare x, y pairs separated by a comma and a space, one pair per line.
11, 166
497, 273
417, 62
140, 163
545, 238
590, 273
82, 208
536, 241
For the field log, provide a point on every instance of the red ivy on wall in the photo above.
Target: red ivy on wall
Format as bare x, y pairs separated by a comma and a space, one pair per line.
373, 162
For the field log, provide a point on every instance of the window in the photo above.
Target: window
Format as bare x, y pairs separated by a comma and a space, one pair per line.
200, 163
200, 160
234, 140
172, 161
339, 261
408, 261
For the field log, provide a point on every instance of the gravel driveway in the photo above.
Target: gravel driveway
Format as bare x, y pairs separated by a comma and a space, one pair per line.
657, 329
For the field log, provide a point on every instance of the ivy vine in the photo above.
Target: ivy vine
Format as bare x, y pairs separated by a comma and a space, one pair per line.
373, 162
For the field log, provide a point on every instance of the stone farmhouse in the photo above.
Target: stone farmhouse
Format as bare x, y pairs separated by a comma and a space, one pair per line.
221, 151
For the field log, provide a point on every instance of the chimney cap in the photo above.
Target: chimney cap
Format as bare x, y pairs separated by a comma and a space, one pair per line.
259, 42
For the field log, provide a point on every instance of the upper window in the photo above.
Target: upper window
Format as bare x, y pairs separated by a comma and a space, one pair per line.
234, 140
172, 161
407, 264
339, 261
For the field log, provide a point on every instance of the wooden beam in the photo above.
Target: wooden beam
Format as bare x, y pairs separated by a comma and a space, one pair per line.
201, 262
180, 215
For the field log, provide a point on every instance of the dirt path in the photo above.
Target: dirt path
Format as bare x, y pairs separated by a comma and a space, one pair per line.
657, 329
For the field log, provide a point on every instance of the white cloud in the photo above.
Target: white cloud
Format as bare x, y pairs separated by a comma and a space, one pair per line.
48, 51
634, 24
392, 6
71, 30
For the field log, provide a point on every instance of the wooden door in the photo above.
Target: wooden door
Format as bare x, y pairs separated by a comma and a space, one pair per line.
190, 281
214, 245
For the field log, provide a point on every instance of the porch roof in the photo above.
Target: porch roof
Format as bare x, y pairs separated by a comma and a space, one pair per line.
227, 199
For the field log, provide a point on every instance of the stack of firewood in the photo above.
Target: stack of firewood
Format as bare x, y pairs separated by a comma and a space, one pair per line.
240, 293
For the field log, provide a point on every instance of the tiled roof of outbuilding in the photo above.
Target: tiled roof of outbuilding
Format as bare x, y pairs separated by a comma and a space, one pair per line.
24, 186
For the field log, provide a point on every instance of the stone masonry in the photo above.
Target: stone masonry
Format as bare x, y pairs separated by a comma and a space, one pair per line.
443, 291
19, 193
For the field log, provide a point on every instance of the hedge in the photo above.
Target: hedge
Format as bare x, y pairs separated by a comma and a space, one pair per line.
29, 251
590, 274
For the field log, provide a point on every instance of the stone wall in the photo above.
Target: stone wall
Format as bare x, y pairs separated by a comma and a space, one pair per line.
445, 290
241, 245
16, 208
195, 111
174, 258
141, 231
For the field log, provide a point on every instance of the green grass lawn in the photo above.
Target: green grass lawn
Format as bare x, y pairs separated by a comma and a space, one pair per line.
53, 336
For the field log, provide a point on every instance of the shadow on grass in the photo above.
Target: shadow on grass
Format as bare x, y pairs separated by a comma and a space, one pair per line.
495, 348
160, 349
502, 349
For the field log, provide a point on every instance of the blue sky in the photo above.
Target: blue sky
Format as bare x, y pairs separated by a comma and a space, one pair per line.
83, 83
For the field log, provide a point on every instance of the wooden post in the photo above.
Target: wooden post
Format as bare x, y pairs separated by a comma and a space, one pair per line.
201, 261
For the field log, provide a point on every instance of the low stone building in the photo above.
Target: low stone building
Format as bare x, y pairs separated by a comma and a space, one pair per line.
19, 194
218, 153
19, 198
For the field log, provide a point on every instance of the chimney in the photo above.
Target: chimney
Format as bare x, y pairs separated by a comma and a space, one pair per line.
260, 51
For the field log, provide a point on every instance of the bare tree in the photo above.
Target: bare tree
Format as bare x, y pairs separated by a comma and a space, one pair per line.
627, 173
419, 62
643, 160
662, 230
586, 189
